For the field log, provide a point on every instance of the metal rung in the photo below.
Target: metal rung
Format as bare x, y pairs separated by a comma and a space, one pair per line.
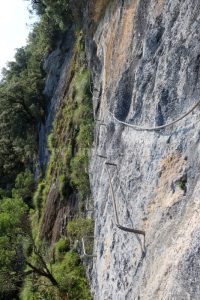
101, 156
111, 164
87, 206
98, 131
83, 244
137, 231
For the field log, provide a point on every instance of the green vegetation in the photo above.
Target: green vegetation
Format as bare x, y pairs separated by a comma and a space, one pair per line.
79, 228
71, 277
82, 228
12, 212
43, 270
38, 196
61, 247
63, 275
22, 107
22, 104
24, 186
21, 260
70, 273
72, 135
69, 145
182, 183
58, 11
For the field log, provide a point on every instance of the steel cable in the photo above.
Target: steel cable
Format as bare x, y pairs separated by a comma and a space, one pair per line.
136, 127
137, 231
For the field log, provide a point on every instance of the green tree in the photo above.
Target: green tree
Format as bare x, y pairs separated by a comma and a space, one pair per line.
24, 186
56, 10
15, 239
22, 103
12, 212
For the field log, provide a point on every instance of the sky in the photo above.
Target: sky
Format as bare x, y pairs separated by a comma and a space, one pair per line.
15, 24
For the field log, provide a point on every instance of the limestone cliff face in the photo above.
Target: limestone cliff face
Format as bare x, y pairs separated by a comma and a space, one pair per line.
56, 67
58, 77
145, 59
144, 56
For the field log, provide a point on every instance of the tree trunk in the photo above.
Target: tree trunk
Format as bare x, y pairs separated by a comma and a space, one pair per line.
44, 274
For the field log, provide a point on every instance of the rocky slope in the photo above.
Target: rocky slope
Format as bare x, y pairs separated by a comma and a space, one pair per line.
57, 67
145, 59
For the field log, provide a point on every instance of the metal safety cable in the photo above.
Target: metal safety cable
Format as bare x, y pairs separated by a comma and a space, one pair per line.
137, 231
140, 128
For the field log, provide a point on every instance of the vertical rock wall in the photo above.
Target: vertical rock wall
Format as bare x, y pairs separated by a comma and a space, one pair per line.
145, 56
58, 78
56, 66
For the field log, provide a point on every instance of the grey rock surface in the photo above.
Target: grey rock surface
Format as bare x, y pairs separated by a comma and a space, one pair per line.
56, 66
149, 53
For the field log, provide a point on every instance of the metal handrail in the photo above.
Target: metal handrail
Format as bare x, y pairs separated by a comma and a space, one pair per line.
133, 230
83, 245
140, 128
137, 231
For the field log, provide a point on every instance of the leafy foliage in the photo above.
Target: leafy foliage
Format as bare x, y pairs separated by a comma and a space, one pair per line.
22, 108
39, 197
24, 186
16, 244
71, 276
22, 103
68, 145
40, 289
12, 212
61, 247
79, 228
74, 124
56, 10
